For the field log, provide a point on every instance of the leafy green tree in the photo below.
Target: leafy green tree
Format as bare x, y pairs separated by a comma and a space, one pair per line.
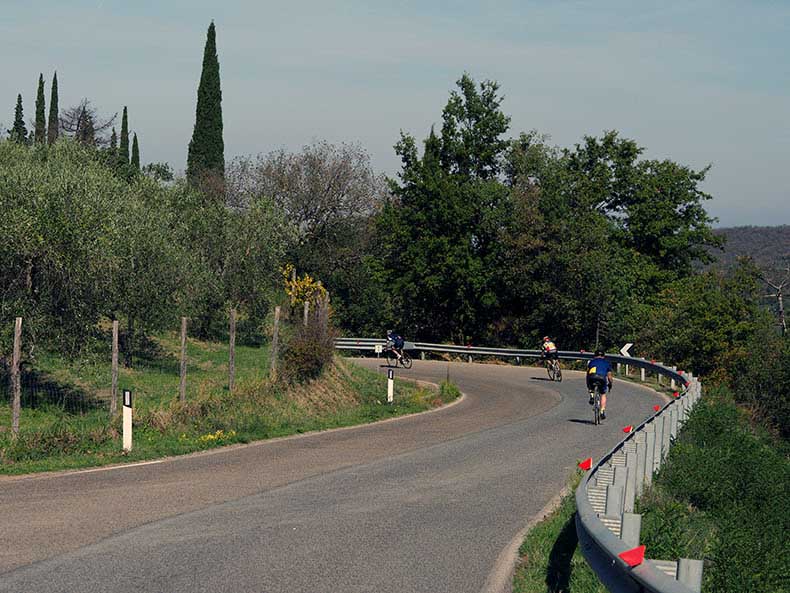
123, 151
53, 128
655, 205
441, 234
206, 155
41, 125
135, 162
161, 172
18, 133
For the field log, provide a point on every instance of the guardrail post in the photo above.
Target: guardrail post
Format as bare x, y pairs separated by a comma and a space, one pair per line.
658, 450
470, 358
690, 573
672, 381
618, 369
673, 420
667, 437
630, 529
621, 482
614, 500
640, 463
630, 482
642, 374
650, 445
422, 355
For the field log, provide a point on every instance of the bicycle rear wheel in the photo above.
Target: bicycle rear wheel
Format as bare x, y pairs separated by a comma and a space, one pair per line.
597, 406
551, 370
558, 373
405, 360
392, 359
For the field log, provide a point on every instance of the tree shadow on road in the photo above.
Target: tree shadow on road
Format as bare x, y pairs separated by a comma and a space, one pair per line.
558, 571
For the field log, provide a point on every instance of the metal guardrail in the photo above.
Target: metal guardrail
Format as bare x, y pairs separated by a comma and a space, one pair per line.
605, 522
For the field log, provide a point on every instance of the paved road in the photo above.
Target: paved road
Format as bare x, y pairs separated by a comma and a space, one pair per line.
420, 504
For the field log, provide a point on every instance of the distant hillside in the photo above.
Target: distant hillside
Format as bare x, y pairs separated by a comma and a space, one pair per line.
769, 246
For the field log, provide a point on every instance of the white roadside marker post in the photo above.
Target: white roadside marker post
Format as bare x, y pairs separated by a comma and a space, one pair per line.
127, 420
390, 385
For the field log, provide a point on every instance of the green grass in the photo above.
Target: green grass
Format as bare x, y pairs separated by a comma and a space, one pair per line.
723, 497
82, 434
550, 558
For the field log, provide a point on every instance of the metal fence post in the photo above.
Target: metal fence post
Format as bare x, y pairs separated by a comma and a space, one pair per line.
690, 573
630, 529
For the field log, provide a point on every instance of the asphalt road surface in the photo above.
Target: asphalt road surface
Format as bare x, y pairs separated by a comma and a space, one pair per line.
429, 503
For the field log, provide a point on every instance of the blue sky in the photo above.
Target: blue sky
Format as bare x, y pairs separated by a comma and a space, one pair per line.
701, 82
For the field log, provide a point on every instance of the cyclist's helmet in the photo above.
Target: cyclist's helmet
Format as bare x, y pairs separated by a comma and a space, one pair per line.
546, 339
600, 352
389, 332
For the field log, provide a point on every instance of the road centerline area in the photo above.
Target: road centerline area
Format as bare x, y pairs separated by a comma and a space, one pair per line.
424, 504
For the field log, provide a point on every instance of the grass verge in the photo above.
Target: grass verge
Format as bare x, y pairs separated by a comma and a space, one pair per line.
723, 496
53, 439
550, 560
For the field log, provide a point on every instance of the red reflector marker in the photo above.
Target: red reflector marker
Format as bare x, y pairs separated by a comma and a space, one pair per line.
586, 464
628, 428
676, 394
656, 407
634, 556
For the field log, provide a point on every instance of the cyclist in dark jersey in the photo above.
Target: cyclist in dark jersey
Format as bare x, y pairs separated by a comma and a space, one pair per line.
395, 342
599, 372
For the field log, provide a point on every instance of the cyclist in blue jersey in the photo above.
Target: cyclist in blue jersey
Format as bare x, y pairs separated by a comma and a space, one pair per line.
395, 342
599, 372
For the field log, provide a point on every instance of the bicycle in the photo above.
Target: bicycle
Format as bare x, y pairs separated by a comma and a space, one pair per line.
554, 370
393, 359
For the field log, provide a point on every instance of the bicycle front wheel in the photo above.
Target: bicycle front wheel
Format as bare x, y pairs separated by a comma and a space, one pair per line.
558, 372
405, 361
550, 369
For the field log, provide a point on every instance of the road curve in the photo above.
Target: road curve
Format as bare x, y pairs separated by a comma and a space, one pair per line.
425, 503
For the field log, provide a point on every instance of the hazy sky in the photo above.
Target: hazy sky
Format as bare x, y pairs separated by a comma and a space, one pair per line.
701, 82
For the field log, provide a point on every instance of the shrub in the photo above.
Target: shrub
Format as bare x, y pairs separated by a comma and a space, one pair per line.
308, 350
724, 494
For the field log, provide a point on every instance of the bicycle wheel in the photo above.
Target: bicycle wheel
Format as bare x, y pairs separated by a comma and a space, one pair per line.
405, 360
558, 373
392, 360
597, 406
551, 370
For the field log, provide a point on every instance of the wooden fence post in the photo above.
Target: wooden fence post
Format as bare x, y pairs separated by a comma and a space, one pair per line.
232, 350
16, 379
182, 386
114, 389
275, 343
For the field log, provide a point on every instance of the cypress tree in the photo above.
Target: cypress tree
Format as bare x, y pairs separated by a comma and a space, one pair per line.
123, 152
41, 124
206, 149
135, 154
18, 133
114, 143
54, 124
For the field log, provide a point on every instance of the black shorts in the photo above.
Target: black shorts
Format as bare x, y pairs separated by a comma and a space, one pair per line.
551, 355
600, 380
